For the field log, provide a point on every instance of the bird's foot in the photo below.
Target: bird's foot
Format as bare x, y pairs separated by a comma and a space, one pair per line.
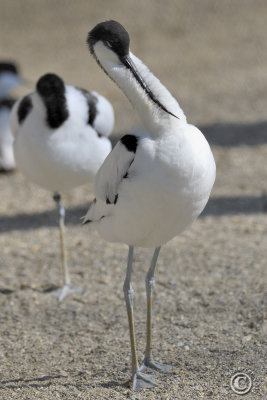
141, 381
68, 289
151, 365
65, 291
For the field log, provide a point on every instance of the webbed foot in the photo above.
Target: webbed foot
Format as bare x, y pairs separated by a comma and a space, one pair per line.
64, 291
151, 365
141, 381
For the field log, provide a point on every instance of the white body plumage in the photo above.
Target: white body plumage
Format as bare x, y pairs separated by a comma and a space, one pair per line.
169, 176
61, 158
61, 139
154, 183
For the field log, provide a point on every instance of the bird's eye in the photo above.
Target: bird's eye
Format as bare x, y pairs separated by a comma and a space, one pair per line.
108, 44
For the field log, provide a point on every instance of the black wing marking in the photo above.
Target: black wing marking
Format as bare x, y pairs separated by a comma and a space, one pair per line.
115, 169
92, 105
24, 108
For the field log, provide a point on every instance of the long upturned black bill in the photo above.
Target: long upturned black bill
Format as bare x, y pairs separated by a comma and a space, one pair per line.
127, 61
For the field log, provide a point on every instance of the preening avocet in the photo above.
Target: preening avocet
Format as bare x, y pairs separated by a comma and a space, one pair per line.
152, 186
61, 139
9, 79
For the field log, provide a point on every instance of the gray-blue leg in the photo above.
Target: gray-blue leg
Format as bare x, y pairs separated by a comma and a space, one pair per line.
67, 287
139, 380
148, 362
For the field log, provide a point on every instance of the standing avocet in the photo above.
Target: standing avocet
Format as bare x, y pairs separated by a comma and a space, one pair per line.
9, 79
152, 186
61, 139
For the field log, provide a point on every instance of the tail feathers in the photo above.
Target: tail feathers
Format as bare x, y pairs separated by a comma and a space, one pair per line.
85, 221
97, 211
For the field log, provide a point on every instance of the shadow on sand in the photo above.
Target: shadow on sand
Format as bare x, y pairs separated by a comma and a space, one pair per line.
236, 134
236, 205
24, 222
227, 134
52, 380
221, 134
216, 206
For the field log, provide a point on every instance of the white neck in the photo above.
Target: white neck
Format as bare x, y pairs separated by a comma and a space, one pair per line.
155, 120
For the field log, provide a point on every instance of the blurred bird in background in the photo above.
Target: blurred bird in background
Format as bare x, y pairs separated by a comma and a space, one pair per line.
9, 79
60, 141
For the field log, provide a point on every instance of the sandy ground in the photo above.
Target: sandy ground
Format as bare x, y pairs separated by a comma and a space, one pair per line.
209, 296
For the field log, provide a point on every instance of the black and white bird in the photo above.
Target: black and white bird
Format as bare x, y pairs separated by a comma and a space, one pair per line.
9, 79
61, 139
154, 184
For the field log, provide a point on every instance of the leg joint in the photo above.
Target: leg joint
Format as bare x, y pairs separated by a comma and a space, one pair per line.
128, 294
150, 282
61, 211
128, 291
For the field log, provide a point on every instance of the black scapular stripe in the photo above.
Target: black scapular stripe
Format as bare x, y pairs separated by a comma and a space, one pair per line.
92, 105
25, 107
